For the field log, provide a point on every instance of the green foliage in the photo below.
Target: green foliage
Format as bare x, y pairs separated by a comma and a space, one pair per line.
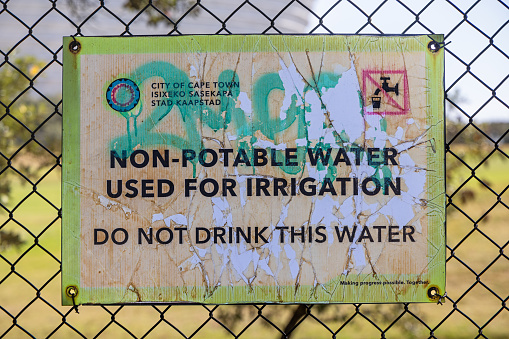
8, 239
333, 315
156, 10
469, 145
16, 110
168, 7
475, 151
21, 118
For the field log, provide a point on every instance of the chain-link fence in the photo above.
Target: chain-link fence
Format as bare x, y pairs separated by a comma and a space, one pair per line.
477, 65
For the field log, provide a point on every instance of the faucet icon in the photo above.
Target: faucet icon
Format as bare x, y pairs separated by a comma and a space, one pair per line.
376, 99
386, 87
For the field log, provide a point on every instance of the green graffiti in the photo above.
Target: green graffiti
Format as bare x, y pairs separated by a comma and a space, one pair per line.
383, 124
226, 114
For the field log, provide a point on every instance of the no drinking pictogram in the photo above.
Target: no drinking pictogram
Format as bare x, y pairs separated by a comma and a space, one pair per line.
385, 92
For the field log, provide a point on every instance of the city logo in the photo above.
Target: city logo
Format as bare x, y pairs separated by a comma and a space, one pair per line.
123, 95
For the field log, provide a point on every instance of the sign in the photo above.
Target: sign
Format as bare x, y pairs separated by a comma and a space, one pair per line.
239, 169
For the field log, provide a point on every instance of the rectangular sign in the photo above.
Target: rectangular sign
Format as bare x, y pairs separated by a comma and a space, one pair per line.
239, 169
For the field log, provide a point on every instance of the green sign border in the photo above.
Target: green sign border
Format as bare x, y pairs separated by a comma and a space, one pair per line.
71, 214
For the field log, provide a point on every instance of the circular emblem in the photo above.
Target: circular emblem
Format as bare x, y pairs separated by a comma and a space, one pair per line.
122, 95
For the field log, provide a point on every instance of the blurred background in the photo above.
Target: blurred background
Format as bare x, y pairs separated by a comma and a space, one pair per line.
477, 137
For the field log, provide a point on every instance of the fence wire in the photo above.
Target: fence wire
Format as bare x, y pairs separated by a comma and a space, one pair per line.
477, 65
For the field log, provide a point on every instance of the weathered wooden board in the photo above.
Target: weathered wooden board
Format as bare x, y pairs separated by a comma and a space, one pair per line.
234, 169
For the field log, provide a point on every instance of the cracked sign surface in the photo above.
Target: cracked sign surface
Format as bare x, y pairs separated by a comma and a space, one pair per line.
234, 169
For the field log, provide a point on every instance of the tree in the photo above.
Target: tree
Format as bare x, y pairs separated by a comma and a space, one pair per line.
20, 114
166, 7
158, 11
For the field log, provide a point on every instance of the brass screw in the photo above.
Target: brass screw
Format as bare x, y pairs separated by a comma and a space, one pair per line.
433, 293
71, 291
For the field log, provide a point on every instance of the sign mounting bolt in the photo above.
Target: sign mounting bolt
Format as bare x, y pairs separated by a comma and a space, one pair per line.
72, 292
433, 46
74, 46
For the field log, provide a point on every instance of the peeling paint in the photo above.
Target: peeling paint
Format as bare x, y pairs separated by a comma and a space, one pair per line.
112, 205
179, 219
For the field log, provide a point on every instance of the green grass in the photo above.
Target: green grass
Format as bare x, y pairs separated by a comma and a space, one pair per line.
476, 251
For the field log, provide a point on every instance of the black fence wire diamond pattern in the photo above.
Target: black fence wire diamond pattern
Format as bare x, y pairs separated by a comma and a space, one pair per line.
476, 304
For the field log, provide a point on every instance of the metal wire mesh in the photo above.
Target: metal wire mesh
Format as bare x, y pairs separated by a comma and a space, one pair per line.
477, 160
